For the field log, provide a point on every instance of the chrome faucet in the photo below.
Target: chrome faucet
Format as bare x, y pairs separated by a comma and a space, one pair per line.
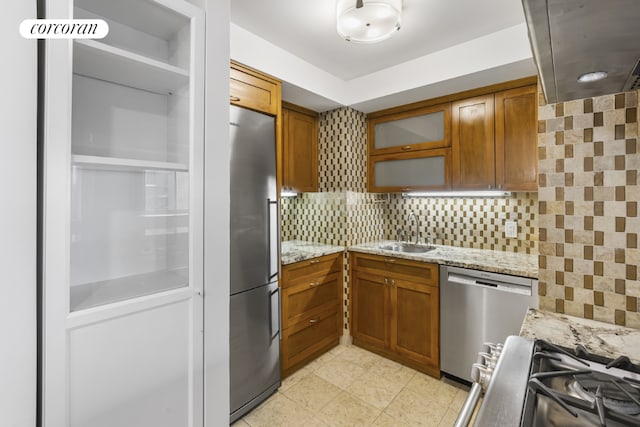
415, 218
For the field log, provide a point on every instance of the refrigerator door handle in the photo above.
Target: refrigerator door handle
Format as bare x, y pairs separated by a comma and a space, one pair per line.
273, 237
274, 308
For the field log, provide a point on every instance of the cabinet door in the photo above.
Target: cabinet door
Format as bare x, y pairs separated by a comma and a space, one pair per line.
370, 309
517, 139
300, 151
473, 144
421, 170
415, 321
252, 90
413, 130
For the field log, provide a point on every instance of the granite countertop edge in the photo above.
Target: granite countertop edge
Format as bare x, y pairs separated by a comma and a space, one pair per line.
517, 264
293, 251
602, 339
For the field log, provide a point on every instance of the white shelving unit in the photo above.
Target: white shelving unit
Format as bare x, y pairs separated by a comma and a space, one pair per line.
118, 164
124, 130
130, 124
101, 61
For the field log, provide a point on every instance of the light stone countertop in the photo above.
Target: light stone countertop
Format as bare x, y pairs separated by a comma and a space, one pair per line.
517, 264
297, 250
599, 338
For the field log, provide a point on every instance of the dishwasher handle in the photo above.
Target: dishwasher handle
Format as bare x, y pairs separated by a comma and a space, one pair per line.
515, 288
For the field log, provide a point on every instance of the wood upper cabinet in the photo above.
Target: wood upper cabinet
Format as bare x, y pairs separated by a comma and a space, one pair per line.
254, 90
395, 309
473, 143
516, 121
300, 146
484, 138
409, 150
311, 309
408, 131
417, 170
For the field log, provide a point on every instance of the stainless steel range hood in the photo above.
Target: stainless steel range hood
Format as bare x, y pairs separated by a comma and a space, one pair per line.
573, 37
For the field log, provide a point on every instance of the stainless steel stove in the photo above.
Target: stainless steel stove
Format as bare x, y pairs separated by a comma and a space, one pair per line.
535, 384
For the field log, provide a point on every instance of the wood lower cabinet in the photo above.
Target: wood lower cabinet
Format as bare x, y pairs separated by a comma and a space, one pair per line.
311, 310
370, 308
415, 322
395, 309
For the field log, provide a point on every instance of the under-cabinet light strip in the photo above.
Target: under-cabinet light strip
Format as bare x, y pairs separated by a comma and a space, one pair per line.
457, 194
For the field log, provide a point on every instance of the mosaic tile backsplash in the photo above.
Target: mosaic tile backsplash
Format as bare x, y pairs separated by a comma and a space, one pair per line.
588, 208
342, 150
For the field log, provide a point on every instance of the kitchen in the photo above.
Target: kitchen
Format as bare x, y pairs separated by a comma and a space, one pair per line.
580, 222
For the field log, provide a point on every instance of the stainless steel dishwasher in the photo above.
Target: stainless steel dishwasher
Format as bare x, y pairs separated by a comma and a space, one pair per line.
478, 307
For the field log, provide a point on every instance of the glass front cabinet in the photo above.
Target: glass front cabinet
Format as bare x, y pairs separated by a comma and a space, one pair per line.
410, 150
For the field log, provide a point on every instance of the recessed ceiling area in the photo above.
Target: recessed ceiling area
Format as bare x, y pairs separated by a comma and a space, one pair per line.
438, 42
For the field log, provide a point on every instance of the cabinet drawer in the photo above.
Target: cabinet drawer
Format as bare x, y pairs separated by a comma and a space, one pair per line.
311, 270
303, 339
416, 271
252, 92
306, 300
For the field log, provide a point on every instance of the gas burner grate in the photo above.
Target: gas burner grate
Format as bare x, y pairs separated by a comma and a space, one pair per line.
587, 393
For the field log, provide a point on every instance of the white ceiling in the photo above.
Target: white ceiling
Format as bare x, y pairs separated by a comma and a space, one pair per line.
306, 30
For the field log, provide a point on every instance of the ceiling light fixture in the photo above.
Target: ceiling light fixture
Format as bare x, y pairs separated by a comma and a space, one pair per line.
368, 21
593, 76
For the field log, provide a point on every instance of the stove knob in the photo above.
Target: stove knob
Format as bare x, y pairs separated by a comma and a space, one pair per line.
481, 374
489, 360
494, 348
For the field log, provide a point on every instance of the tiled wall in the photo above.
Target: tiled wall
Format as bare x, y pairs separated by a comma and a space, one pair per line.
342, 151
468, 222
588, 208
342, 213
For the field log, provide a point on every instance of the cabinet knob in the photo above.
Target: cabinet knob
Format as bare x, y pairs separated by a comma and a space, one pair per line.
499, 186
407, 147
314, 261
393, 282
316, 320
234, 98
489, 187
314, 284
386, 281
391, 260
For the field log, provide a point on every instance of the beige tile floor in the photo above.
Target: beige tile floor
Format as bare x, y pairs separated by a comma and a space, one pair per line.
349, 386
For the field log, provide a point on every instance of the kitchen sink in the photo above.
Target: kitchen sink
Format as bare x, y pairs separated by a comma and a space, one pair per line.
406, 247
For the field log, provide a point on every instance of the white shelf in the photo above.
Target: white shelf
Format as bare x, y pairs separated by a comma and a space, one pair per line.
161, 18
114, 163
109, 291
102, 61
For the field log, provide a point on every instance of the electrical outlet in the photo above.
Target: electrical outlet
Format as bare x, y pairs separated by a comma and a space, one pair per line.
511, 229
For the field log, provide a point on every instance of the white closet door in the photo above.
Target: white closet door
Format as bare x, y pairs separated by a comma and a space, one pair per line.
123, 218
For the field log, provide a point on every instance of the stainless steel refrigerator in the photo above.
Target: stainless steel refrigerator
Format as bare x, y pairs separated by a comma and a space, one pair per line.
255, 299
